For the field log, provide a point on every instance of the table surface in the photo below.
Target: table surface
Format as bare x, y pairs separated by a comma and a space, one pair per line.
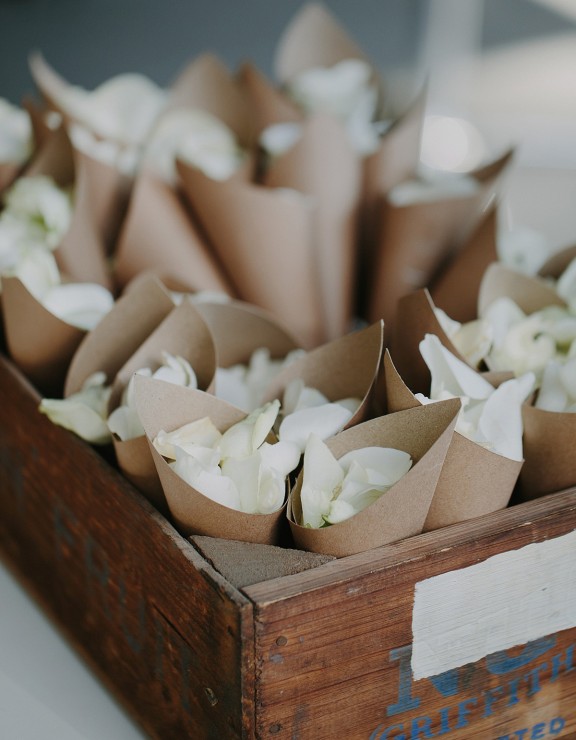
46, 690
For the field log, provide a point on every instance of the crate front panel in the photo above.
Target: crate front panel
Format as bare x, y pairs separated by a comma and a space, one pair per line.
170, 636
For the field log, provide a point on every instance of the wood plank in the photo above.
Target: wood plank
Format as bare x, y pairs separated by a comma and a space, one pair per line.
334, 645
174, 639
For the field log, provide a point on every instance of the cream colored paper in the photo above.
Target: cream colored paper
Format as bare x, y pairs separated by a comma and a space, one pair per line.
424, 433
164, 406
530, 293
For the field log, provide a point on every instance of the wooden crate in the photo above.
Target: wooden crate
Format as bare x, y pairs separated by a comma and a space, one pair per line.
321, 654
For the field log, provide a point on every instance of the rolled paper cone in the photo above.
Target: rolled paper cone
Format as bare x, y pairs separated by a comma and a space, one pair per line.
118, 335
530, 293
415, 318
265, 240
97, 204
40, 343
159, 235
414, 240
550, 464
473, 481
182, 333
165, 406
323, 165
238, 329
38, 114
313, 39
344, 368
424, 433
52, 86
456, 288
267, 104
135, 461
206, 84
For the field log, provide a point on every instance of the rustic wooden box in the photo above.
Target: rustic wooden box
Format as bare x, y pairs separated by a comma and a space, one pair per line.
321, 654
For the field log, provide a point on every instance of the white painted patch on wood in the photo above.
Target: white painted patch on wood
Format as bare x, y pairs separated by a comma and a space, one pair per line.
507, 600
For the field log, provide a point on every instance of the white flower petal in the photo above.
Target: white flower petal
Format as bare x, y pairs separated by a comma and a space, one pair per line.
449, 373
523, 249
245, 474
201, 432
125, 423
15, 133
215, 486
38, 271
321, 475
389, 464
552, 395
279, 138
447, 187
566, 283
340, 510
473, 340
39, 200
81, 304
323, 421
283, 457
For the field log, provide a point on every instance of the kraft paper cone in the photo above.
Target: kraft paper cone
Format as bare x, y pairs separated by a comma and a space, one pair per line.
159, 235
530, 293
550, 463
207, 84
52, 86
474, 481
313, 39
424, 433
265, 240
40, 343
182, 333
415, 239
415, 318
456, 288
239, 328
346, 367
267, 104
118, 335
98, 201
323, 165
164, 406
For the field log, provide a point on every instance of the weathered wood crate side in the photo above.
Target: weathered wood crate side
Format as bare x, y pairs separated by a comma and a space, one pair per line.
333, 645
171, 637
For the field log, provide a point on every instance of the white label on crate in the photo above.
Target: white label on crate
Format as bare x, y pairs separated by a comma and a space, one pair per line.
507, 600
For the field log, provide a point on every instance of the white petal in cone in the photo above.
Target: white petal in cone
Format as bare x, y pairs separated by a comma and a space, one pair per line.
382, 465
282, 457
526, 347
81, 304
83, 413
502, 314
38, 271
566, 283
201, 432
125, 423
176, 370
568, 378
323, 421
322, 474
500, 424
552, 395
451, 374
39, 200
523, 249
244, 438
280, 138
211, 483
473, 340
424, 191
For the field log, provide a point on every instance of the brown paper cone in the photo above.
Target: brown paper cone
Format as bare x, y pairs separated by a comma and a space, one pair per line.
313, 39
264, 238
182, 333
267, 104
159, 235
529, 293
415, 318
8, 173
119, 334
323, 165
474, 481
414, 240
346, 367
135, 461
457, 286
52, 86
424, 433
206, 84
239, 328
550, 464
40, 343
165, 406
98, 202
557, 263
